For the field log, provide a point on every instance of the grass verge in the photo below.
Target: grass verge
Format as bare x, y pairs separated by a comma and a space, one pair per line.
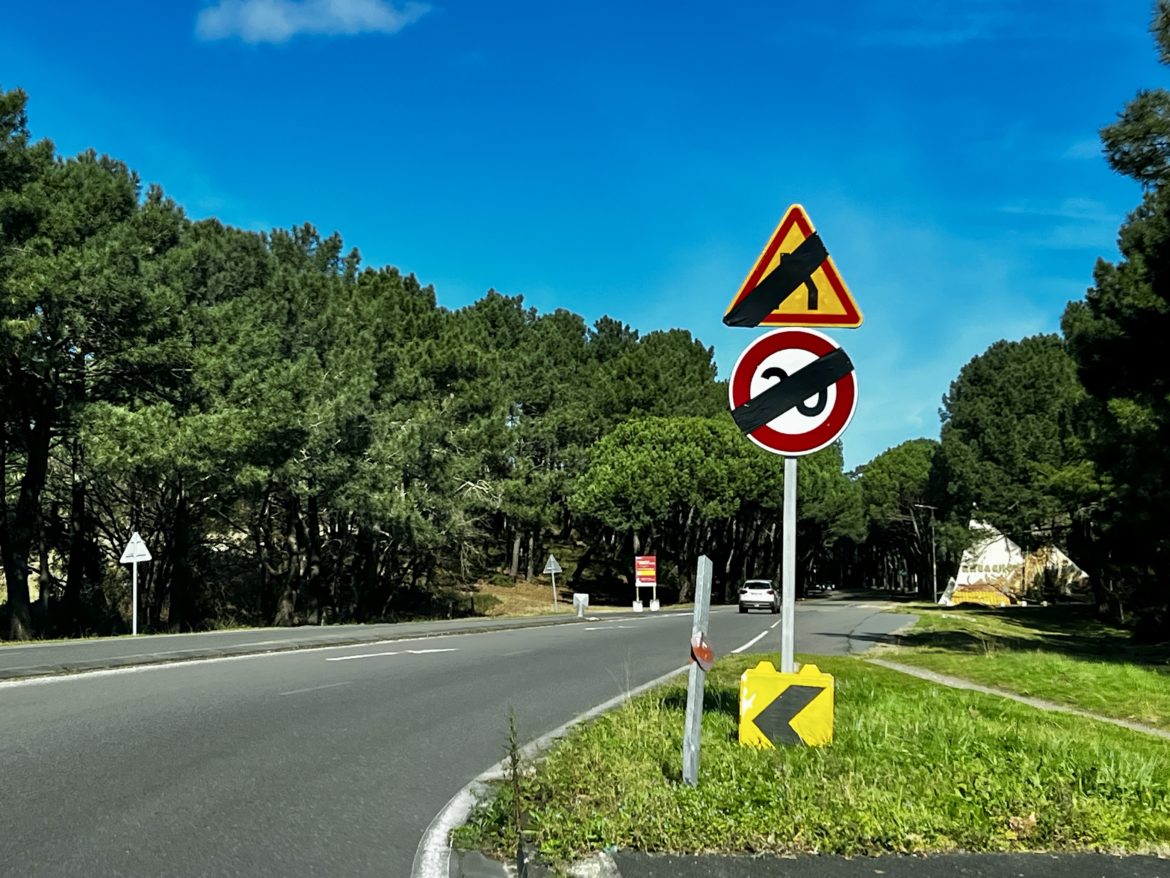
1061, 654
914, 768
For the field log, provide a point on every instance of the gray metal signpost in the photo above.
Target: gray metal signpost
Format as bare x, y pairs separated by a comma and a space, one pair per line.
788, 571
693, 728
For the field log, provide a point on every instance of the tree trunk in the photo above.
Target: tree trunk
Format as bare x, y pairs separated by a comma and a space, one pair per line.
78, 538
516, 556
286, 604
317, 582
44, 579
584, 561
531, 553
20, 529
182, 586
366, 575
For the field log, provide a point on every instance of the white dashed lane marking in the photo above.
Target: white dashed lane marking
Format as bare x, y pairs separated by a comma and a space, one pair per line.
347, 658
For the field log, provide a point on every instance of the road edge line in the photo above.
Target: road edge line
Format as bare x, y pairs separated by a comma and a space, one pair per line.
432, 857
164, 660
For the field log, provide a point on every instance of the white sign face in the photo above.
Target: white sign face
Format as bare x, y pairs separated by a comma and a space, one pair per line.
806, 416
135, 550
552, 566
822, 373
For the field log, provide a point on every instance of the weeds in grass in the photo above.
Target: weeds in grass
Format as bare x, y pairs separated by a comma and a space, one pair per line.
913, 768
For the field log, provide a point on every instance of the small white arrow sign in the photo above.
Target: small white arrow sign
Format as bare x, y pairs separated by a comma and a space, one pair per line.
552, 566
135, 550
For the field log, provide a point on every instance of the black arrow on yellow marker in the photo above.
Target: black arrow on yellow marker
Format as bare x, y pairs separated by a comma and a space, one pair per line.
775, 720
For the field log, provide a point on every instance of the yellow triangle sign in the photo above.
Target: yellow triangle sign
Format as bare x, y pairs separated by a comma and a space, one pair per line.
794, 282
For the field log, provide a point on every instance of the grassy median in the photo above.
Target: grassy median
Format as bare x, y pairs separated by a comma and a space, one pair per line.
914, 768
1061, 654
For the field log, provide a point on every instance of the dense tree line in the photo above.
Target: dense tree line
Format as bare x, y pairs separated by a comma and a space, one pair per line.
302, 438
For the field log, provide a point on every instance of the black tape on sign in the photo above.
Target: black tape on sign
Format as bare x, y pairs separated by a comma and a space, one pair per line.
817, 376
795, 268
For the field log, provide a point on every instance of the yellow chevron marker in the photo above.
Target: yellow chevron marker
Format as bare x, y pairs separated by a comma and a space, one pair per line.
776, 708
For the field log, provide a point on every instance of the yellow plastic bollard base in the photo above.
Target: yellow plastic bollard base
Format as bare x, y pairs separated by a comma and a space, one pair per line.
776, 708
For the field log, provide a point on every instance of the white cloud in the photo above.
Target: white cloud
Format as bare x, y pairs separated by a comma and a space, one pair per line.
275, 21
1089, 148
1084, 209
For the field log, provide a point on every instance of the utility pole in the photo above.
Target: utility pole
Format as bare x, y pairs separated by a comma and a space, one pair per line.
933, 559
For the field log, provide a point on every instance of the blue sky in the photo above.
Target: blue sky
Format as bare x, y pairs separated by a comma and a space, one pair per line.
630, 158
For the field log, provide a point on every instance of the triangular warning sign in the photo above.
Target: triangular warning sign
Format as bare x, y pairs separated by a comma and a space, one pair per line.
794, 282
135, 550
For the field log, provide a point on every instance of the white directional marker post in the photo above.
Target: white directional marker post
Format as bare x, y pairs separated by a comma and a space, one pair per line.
134, 552
553, 567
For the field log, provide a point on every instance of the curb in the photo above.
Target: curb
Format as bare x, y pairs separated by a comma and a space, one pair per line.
433, 857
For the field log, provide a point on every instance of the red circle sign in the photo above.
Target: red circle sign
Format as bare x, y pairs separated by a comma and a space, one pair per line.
811, 424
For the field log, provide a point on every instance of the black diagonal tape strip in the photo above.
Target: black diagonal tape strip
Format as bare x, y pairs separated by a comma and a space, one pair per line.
800, 385
795, 269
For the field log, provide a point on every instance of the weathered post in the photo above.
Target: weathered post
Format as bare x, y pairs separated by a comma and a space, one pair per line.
701, 657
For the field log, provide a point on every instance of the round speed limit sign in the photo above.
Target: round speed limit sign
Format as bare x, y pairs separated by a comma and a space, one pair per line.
793, 391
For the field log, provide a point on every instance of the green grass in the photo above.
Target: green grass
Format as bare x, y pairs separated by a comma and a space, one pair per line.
913, 768
1058, 653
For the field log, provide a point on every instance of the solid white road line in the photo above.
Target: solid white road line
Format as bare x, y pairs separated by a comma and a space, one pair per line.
315, 688
349, 658
432, 858
751, 642
188, 663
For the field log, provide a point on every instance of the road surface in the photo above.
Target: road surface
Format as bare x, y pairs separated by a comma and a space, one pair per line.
316, 762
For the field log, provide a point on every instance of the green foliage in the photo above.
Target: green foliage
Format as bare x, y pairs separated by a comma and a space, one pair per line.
1008, 436
1060, 654
302, 438
1014, 779
895, 489
1115, 336
682, 486
1138, 143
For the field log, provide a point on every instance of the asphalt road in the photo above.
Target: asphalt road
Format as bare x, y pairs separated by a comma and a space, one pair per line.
317, 762
55, 657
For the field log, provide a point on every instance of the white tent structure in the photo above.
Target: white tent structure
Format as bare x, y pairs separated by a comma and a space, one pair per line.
996, 572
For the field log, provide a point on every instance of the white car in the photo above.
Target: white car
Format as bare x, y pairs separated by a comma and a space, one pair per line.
758, 594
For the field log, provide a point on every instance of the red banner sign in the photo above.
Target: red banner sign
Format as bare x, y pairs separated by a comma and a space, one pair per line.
646, 569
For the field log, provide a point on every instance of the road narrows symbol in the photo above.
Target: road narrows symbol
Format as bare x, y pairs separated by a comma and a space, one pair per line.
794, 271
775, 720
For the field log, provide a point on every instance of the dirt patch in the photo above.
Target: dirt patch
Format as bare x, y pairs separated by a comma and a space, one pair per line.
533, 598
